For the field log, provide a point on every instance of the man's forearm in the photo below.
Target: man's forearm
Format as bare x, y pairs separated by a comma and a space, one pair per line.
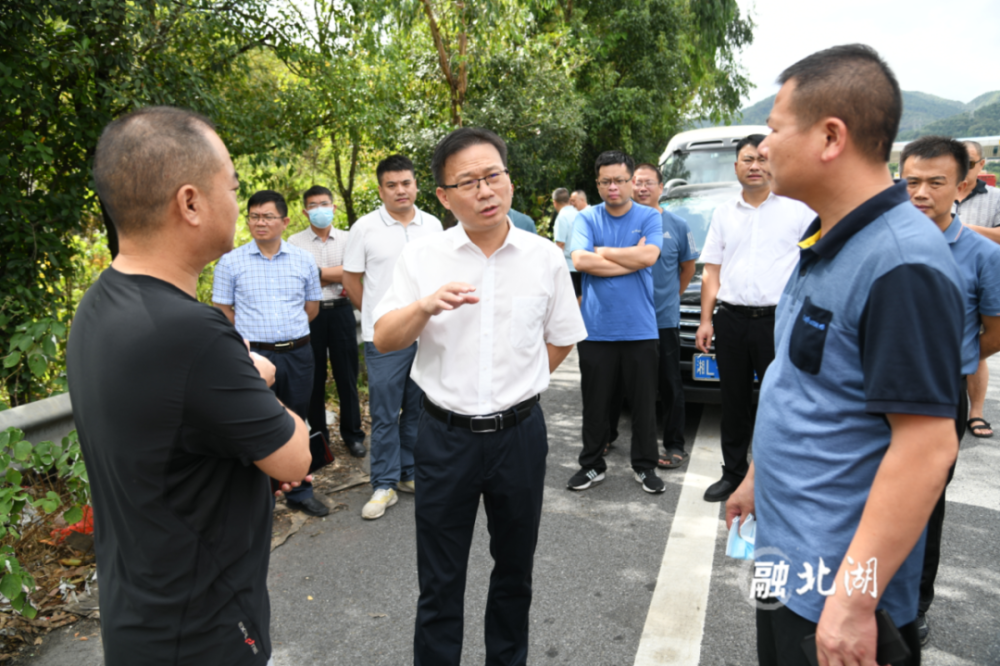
709, 291
634, 258
594, 264
992, 233
331, 275
687, 272
557, 355
400, 328
354, 287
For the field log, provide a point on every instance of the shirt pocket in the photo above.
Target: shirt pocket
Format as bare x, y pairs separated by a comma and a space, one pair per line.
528, 315
805, 349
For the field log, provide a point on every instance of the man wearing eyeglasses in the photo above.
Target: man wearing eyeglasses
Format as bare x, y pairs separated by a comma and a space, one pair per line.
393, 398
270, 290
334, 330
494, 309
750, 251
614, 246
979, 208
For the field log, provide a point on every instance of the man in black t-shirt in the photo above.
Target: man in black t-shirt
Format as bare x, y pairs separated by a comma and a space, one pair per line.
178, 428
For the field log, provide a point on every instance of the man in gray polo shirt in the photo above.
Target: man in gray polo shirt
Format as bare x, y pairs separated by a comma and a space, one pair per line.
375, 243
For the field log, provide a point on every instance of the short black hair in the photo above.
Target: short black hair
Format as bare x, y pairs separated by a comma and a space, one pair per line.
929, 147
459, 140
653, 168
850, 82
610, 157
393, 163
751, 140
144, 157
316, 191
268, 196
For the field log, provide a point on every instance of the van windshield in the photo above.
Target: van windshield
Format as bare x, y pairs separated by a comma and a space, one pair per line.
701, 166
697, 209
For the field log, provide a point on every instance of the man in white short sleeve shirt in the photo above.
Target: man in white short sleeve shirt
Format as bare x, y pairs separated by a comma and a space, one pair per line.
750, 251
393, 398
495, 312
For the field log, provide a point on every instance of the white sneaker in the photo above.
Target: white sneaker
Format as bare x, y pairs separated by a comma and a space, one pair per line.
382, 499
407, 486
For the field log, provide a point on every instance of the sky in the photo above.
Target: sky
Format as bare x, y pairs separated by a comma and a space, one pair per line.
902, 32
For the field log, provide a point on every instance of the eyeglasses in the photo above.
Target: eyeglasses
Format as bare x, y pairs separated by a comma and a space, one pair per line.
319, 204
617, 181
254, 217
469, 184
647, 183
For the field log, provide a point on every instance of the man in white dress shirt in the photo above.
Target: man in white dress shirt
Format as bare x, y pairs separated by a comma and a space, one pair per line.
393, 398
494, 310
750, 251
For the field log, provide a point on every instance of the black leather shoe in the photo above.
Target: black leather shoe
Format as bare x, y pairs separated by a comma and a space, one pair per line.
357, 449
720, 491
923, 629
312, 506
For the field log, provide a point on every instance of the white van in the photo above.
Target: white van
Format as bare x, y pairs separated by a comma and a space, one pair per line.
704, 155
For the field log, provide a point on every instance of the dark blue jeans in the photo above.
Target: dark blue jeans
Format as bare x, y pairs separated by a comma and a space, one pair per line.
394, 404
293, 380
455, 468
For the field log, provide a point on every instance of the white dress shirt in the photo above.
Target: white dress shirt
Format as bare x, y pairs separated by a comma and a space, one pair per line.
756, 247
328, 254
486, 357
375, 243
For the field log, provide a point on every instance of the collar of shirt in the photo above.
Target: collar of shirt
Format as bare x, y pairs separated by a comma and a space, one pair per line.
978, 188
253, 248
461, 238
740, 201
954, 230
389, 220
827, 246
330, 236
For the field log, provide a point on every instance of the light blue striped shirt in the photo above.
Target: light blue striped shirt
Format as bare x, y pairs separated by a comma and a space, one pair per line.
269, 295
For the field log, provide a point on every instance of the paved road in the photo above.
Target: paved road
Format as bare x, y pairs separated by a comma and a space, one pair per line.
344, 591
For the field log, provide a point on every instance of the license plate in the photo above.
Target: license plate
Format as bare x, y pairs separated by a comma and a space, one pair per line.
704, 368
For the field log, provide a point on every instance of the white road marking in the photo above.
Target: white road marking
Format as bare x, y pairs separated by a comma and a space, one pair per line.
676, 619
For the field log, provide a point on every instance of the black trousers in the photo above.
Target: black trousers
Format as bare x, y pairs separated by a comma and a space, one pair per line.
293, 380
780, 633
935, 526
671, 389
635, 363
743, 345
454, 468
334, 332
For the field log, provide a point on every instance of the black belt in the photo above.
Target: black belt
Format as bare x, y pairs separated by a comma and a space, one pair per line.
280, 346
336, 303
487, 423
749, 311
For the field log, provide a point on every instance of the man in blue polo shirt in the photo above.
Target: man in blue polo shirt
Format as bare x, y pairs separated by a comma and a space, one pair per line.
855, 430
934, 168
270, 290
672, 273
615, 245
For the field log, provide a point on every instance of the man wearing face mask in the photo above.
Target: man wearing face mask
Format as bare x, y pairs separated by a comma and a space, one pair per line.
333, 331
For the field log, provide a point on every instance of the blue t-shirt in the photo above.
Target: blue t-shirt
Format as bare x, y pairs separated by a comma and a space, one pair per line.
978, 261
522, 221
869, 324
563, 232
618, 308
678, 247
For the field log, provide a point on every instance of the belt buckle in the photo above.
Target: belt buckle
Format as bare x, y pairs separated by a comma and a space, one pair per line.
283, 345
496, 420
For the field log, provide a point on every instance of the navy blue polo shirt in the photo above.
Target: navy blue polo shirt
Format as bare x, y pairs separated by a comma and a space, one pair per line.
978, 260
869, 324
621, 307
678, 247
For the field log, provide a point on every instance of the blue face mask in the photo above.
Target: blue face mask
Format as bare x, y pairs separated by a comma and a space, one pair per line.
321, 218
742, 538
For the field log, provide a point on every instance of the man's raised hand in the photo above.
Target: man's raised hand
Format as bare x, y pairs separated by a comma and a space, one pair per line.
448, 297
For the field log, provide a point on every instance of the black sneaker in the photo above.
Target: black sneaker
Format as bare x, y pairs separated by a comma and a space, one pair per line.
584, 479
923, 629
650, 482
